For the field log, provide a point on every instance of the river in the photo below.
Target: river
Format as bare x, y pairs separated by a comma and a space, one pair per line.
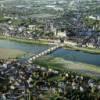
76, 56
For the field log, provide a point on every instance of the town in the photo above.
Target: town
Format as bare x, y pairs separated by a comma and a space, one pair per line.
49, 50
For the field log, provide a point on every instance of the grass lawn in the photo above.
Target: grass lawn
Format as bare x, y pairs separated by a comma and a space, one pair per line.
64, 65
10, 53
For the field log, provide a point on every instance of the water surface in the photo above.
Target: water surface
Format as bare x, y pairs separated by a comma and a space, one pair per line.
33, 48
76, 56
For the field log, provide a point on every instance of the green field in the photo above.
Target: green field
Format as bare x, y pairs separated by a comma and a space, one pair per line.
10, 53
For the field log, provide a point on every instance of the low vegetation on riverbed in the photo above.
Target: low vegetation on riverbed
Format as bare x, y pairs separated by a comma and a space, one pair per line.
63, 65
10, 53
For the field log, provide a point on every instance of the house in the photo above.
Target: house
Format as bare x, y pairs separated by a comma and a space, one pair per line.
11, 28
61, 33
31, 27
21, 28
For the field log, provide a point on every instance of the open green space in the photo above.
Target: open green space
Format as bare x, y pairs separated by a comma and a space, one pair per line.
10, 53
2, 19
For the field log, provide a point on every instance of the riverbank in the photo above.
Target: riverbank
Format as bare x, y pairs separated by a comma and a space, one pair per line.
10, 53
24, 40
63, 65
68, 45
83, 49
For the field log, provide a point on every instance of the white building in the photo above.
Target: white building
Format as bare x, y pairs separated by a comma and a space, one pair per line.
31, 27
60, 33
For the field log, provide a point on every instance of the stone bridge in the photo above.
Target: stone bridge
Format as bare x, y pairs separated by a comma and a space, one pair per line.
45, 52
